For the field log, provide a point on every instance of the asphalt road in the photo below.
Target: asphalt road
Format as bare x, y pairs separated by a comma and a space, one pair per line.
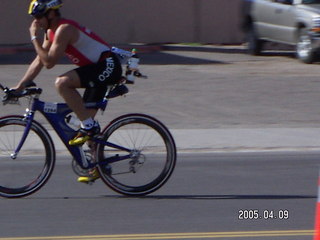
208, 195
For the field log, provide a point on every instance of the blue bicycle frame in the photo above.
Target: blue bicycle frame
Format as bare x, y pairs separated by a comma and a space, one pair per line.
55, 114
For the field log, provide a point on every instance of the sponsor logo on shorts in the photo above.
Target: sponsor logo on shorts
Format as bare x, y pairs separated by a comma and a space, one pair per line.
108, 71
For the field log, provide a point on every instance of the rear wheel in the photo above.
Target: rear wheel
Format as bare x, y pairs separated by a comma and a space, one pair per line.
27, 172
140, 156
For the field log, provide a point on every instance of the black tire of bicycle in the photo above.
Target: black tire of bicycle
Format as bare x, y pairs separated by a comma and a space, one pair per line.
169, 141
43, 134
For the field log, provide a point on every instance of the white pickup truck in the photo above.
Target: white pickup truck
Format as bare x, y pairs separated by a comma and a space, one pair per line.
294, 22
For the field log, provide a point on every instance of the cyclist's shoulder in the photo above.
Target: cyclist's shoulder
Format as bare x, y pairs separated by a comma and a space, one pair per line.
65, 21
66, 25
66, 28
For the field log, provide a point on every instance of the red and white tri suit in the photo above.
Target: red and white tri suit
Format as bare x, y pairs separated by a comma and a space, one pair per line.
87, 49
98, 66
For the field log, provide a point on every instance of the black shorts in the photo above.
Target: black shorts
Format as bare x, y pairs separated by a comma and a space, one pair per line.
95, 78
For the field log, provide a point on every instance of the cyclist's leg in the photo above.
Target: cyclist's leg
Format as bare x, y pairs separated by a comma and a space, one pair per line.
96, 80
67, 85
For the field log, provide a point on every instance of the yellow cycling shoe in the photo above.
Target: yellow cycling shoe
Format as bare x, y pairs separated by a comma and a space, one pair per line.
79, 140
93, 175
84, 135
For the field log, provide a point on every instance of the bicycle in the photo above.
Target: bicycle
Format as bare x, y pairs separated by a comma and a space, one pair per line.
135, 154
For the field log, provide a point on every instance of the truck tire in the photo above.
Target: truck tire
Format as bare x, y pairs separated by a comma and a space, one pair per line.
254, 45
304, 50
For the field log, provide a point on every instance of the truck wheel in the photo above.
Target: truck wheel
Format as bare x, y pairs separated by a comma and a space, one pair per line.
304, 50
254, 45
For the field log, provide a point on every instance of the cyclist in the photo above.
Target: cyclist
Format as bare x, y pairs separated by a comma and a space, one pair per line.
98, 66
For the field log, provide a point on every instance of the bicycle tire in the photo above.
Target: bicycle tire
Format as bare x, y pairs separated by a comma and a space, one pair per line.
153, 152
34, 164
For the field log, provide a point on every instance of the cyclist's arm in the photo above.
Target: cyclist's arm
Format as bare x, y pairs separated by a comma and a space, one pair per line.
64, 35
33, 70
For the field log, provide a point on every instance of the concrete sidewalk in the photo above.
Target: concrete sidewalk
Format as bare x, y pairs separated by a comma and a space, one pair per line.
247, 140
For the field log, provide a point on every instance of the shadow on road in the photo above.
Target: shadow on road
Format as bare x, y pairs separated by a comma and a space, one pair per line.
150, 54
161, 56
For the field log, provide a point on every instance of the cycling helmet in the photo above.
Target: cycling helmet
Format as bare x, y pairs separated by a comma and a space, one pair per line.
39, 8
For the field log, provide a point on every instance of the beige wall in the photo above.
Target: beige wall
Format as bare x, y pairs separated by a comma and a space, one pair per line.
132, 21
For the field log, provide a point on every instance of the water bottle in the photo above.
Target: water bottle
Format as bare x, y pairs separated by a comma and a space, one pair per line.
133, 65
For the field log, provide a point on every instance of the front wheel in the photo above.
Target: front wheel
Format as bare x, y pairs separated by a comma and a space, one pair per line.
139, 157
26, 172
304, 50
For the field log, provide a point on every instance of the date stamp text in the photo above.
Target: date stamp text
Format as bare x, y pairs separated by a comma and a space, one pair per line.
256, 214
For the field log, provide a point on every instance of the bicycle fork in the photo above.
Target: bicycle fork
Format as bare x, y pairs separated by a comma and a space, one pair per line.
28, 117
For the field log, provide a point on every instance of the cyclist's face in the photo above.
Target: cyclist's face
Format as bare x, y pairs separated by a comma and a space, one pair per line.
42, 21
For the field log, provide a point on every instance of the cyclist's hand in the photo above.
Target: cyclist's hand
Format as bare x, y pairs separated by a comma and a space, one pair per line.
21, 86
11, 95
34, 28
